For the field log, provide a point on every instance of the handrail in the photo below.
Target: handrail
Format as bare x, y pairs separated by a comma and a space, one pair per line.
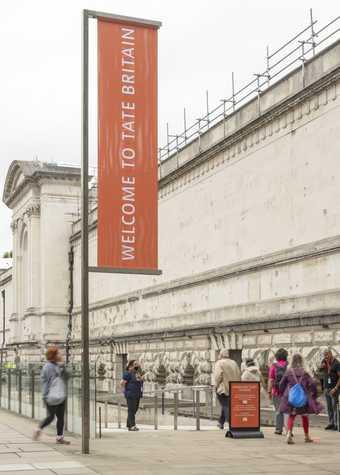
285, 60
160, 391
299, 54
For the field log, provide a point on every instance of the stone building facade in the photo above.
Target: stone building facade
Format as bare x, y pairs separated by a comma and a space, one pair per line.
249, 245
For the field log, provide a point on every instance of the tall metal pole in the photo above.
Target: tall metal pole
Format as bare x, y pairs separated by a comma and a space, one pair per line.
85, 370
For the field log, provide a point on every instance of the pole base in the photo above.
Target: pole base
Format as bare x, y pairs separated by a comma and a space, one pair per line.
244, 434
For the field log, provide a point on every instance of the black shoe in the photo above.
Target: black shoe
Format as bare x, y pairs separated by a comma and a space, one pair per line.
330, 427
63, 441
220, 426
133, 429
278, 432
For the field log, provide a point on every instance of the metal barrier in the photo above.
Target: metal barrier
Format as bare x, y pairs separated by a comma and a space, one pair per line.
20, 392
190, 402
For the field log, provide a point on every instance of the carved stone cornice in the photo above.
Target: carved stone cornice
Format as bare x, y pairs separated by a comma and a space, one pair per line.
32, 312
307, 319
284, 257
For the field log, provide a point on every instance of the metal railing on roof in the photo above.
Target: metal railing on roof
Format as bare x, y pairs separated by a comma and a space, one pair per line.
297, 50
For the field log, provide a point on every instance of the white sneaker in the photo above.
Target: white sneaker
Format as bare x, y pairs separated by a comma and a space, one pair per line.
36, 434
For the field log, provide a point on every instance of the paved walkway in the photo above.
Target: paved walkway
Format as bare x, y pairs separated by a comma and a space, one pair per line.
165, 453
20, 455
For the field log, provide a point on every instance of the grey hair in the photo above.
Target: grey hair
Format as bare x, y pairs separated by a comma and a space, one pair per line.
224, 353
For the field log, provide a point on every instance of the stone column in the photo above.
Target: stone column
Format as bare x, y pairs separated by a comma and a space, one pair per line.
13, 319
32, 310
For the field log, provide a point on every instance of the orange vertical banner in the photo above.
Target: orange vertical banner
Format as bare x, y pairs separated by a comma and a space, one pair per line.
127, 145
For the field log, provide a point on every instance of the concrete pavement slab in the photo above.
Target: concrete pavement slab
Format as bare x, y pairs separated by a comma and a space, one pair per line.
14, 440
314, 472
7, 450
292, 468
28, 472
331, 467
75, 471
32, 447
184, 453
38, 457
9, 458
59, 465
10, 467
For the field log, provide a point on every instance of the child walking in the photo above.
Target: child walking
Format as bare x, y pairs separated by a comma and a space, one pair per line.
296, 374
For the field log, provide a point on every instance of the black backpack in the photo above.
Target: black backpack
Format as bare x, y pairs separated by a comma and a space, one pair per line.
279, 372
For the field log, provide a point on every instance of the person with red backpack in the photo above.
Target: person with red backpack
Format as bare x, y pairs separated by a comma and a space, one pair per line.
276, 372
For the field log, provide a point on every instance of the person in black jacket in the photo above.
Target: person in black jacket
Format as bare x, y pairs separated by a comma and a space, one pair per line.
330, 368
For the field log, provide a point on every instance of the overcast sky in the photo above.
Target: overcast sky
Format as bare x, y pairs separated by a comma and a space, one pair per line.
200, 43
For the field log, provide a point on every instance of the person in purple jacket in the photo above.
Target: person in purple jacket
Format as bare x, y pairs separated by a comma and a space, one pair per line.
297, 374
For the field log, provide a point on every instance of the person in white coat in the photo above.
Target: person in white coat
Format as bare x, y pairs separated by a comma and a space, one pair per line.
226, 370
251, 372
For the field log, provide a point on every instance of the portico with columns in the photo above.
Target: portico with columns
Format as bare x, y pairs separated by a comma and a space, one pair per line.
44, 199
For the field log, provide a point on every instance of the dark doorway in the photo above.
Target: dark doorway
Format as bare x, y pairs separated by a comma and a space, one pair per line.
120, 366
161, 376
188, 376
124, 360
236, 355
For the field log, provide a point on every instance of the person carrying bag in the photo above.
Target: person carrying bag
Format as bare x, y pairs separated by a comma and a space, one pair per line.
298, 397
53, 376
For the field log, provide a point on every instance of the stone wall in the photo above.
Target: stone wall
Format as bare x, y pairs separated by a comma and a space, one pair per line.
249, 245
190, 361
6, 290
249, 236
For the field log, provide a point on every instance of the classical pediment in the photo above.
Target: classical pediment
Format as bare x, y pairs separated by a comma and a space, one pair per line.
22, 174
19, 175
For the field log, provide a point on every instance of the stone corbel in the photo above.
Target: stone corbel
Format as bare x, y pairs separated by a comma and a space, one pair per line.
17, 224
230, 339
13, 317
32, 210
14, 225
